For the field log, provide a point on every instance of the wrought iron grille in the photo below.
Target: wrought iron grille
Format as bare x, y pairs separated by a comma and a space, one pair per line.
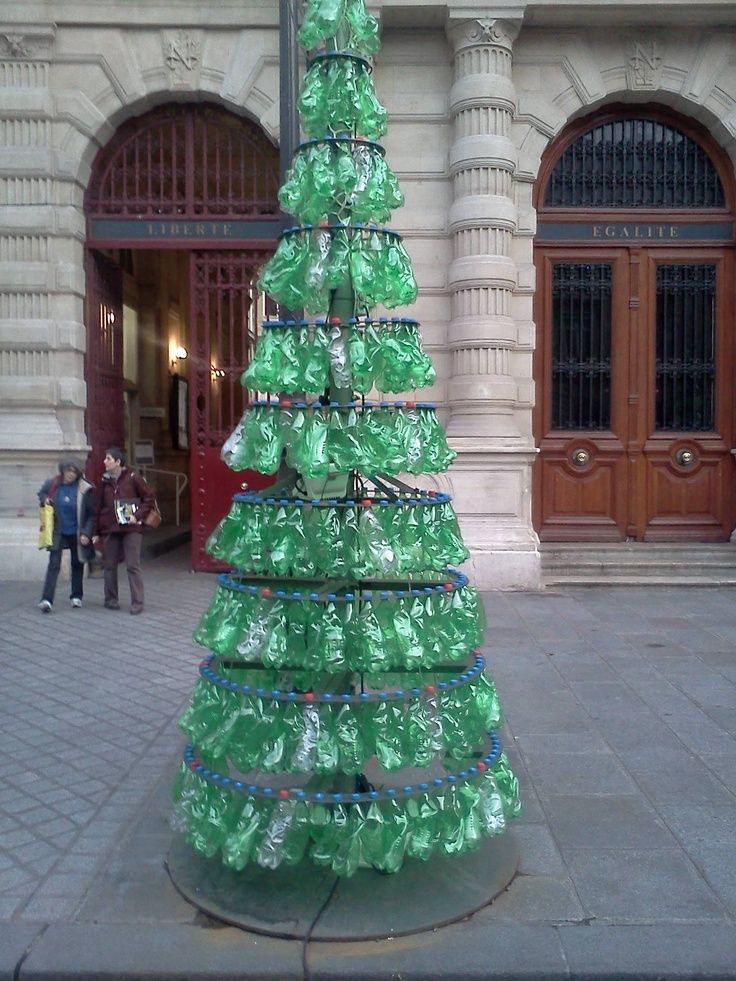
226, 310
186, 161
686, 365
581, 345
634, 163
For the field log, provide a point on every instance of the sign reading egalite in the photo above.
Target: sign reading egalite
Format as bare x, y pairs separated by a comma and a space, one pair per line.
645, 232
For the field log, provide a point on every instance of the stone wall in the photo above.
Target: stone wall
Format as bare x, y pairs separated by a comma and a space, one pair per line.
475, 98
64, 89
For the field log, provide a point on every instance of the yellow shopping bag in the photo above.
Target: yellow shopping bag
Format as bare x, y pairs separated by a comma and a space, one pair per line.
45, 526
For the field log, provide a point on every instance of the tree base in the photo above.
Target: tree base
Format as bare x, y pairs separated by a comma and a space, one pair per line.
309, 901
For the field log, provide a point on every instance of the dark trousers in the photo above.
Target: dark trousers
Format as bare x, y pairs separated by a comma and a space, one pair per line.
125, 545
52, 573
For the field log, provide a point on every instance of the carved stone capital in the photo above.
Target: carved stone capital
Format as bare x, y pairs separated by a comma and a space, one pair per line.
27, 42
16, 46
480, 31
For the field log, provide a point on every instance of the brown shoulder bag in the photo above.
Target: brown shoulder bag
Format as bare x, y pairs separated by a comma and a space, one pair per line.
153, 518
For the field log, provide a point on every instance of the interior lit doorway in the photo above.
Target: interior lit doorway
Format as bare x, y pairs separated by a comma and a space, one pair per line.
182, 211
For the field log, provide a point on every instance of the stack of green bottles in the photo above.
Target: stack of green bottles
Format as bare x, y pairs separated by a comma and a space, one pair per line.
297, 737
338, 97
325, 20
345, 177
379, 834
343, 650
298, 357
306, 540
320, 439
311, 262
372, 634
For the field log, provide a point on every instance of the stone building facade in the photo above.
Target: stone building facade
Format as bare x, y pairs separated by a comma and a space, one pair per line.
477, 94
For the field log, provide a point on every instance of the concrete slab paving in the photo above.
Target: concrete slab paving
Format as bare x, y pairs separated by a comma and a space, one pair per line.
16, 940
606, 822
704, 951
626, 885
619, 706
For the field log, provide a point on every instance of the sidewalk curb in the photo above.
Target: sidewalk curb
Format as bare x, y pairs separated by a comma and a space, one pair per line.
87, 951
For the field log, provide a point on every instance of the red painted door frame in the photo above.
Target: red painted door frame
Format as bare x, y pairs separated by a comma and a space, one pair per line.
104, 415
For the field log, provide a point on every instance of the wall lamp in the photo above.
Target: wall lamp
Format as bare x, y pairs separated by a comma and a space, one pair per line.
179, 354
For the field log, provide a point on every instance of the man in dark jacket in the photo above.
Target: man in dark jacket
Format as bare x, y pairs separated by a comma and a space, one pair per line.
73, 500
124, 501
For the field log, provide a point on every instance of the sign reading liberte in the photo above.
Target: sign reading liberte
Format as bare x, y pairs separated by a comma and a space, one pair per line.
142, 229
629, 231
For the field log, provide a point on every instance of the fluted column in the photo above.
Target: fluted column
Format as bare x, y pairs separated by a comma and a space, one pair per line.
482, 221
489, 389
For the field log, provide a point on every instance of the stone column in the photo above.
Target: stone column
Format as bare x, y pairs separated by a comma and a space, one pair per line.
489, 405
42, 391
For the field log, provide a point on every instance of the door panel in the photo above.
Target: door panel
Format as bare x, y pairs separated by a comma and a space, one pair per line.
660, 468
582, 465
584, 484
688, 502
686, 457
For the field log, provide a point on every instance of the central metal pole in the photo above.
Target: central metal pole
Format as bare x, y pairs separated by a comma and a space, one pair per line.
288, 98
288, 87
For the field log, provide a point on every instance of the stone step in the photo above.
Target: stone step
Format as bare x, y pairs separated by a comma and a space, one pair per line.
613, 568
635, 580
166, 538
638, 563
640, 546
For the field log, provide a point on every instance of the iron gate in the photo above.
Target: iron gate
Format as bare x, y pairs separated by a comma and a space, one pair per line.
226, 309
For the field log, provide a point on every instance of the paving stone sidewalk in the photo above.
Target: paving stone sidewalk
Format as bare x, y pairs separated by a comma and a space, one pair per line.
621, 709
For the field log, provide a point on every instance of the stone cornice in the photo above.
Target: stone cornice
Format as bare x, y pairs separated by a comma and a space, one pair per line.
512, 10
225, 14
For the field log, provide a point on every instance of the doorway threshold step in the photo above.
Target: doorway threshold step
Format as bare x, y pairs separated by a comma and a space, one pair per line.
635, 578
638, 563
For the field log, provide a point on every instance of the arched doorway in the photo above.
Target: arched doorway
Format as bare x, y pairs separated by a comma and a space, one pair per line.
634, 312
182, 210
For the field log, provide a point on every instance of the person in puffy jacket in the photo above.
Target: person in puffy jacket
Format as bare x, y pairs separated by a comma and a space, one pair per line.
122, 505
73, 500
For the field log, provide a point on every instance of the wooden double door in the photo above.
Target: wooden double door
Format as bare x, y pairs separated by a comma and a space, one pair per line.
634, 373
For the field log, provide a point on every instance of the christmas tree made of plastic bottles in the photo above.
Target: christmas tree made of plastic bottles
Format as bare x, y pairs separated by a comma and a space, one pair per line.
343, 646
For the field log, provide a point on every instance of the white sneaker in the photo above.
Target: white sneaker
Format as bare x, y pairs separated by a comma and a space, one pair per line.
45, 607
76, 603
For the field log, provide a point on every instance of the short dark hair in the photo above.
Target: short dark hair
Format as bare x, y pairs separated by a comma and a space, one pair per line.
70, 465
117, 454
